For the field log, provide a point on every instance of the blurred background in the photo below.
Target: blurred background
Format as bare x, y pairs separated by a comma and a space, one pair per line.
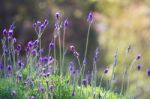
117, 23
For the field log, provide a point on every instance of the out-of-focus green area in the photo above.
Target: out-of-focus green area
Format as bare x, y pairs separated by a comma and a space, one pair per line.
117, 24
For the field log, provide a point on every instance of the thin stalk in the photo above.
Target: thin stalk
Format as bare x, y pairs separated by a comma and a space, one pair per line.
87, 41
60, 67
130, 68
63, 59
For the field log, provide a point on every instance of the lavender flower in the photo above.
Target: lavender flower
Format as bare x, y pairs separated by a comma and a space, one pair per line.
1, 66
9, 68
13, 93
41, 88
19, 77
57, 15
139, 66
20, 63
51, 87
51, 45
45, 22
138, 56
34, 52
35, 43
32, 97
5, 32
106, 70
90, 17
18, 47
73, 94
85, 82
10, 33
66, 23
30, 44
14, 40
148, 72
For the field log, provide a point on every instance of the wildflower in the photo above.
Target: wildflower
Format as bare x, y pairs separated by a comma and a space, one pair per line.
84, 82
73, 94
51, 87
45, 22
20, 63
72, 48
4, 32
84, 61
34, 52
76, 54
138, 57
13, 93
9, 68
18, 47
14, 40
148, 72
90, 17
30, 44
41, 88
139, 66
1, 66
32, 97
57, 15
35, 43
19, 77
51, 45
10, 32
66, 23
50, 60
106, 70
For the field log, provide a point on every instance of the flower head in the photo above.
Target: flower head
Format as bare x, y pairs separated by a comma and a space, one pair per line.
139, 66
138, 56
85, 82
5, 32
9, 68
148, 72
106, 70
90, 17
66, 23
57, 15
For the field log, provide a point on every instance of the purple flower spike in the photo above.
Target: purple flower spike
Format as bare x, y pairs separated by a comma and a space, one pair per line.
1, 66
148, 72
30, 44
9, 68
138, 57
73, 94
20, 63
57, 16
51, 45
18, 48
4, 32
66, 23
90, 17
41, 88
45, 22
106, 70
84, 82
42, 27
32, 97
10, 32
34, 52
19, 77
35, 43
51, 87
139, 67
13, 93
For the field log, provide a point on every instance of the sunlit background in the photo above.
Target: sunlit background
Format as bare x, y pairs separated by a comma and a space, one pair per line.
117, 24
